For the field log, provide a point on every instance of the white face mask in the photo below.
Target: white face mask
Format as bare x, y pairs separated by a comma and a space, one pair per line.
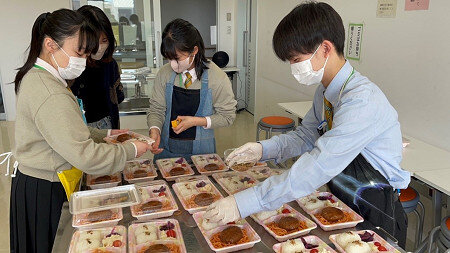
181, 66
304, 72
100, 52
74, 69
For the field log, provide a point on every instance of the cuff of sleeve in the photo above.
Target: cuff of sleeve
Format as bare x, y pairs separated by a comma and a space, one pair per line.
208, 123
247, 202
135, 150
109, 133
269, 149
156, 128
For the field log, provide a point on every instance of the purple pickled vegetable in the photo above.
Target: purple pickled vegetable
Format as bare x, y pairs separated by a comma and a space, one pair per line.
328, 197
113, 232
264, 171
161, 189
308, 245
168, 226
179, 161
201, 184
366, 237
147, 162
245, 179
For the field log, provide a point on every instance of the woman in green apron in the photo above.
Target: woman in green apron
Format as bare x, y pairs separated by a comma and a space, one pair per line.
191, 96
51, 136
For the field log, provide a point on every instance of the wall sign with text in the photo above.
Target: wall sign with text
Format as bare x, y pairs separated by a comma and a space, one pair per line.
354, 39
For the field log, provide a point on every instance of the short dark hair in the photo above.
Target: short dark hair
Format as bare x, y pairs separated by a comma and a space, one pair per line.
99, 21
305, 27
180, 35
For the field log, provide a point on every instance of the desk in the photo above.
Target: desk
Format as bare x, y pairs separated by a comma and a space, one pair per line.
297, 108
231, 69
419, 158
193, 238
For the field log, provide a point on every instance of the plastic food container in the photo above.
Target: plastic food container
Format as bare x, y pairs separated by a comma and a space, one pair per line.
328, 199
141, 236
187, 192
156, 191
109, 239
246, 160
376, 238
233, 182
310, 239
201, 161
260, 173
97, 219
284, 211
191, 178
130, 136
253, 237
101, 182
139, 171
167, 165
103, 199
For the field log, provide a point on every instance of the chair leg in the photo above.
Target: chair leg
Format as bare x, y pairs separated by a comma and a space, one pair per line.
267, 134
422, 217
270, 133
416, 241
258, 130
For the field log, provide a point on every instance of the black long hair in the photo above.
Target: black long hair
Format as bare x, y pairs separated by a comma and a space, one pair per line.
180, 35
58, 25
99, 21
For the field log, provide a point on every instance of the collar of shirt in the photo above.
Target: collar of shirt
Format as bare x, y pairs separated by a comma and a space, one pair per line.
51, 69
333, 90
193, 75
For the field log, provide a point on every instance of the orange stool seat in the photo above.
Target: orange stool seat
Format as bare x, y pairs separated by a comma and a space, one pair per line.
407, 194
274, 124
277, 120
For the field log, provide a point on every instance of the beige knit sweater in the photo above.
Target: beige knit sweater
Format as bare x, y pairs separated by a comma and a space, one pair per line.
51, 135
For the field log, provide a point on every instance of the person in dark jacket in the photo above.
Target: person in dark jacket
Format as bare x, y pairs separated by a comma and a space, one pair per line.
99, 86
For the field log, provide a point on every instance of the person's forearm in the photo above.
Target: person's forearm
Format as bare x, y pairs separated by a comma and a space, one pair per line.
200, 121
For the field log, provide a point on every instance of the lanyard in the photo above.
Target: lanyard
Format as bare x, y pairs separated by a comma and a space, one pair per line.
181, 80
340, 94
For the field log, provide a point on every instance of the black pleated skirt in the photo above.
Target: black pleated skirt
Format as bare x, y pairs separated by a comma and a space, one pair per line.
34, 213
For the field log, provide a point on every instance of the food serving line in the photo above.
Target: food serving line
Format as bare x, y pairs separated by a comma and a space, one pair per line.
192, 236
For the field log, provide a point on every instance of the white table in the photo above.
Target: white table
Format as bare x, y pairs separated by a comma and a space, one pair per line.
421, 159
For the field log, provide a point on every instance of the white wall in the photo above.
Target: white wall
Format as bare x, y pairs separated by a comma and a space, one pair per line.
226, 34
16, 19
406, 57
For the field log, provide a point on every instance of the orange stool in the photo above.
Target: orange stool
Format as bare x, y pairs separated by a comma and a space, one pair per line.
410, 199
272, 124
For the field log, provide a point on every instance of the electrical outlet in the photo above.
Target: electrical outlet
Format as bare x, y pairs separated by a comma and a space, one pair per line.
229, 29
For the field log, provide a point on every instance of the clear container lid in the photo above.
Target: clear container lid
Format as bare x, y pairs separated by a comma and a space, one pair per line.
102, 199
127, 137
103, 179
139, 170
209, 163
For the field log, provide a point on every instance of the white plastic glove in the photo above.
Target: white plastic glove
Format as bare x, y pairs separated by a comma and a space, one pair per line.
249, 152
223, 211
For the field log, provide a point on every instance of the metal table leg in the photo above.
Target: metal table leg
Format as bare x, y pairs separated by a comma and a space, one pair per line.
437, 207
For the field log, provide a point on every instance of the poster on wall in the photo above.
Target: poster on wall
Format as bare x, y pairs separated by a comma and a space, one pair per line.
386, 8
414, 5
354, 40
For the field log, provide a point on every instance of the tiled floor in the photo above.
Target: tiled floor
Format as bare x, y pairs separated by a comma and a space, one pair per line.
243, 130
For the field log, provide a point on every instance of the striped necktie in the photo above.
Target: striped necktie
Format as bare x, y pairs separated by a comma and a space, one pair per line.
188, 81
328, 112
